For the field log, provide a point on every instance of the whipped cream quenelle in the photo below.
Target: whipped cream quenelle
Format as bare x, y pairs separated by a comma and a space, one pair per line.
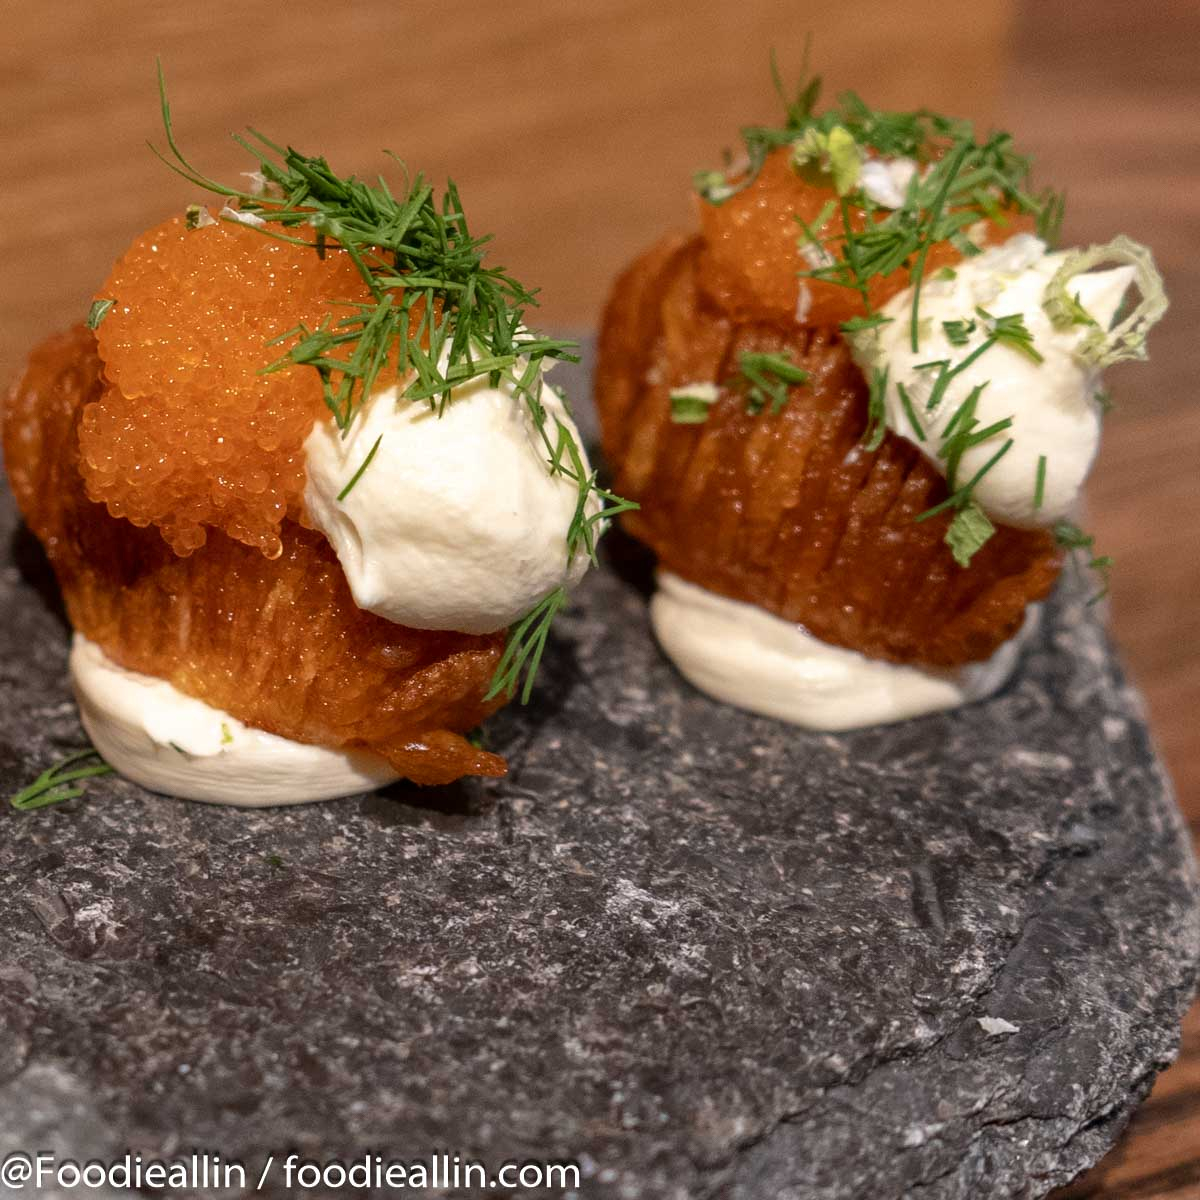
456, 523
1052, 404
746, 656
152, 733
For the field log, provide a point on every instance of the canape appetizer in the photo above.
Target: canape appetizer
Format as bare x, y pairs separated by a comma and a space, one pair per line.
310, 505
857, 408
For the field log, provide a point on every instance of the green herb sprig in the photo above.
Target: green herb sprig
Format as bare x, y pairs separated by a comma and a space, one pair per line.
362, 466
98, 311
437, 314
961, 180
762, 377
690, 404
1039, 483
525, 647
1011, 331
766, 377
873, 435
58, 783
1081, 546
969, 529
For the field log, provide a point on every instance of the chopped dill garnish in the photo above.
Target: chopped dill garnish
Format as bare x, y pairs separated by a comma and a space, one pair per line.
1011, 331
960, 434
1052, 208
958, 333
961, 497
99, 310
437, 314
910, 412
930, 229
690, 403
859, 324
366, 462
959, 180
968, 533
876, 410
970, 527
766, 377
56, 784
1080, 545
947, 371
527, 641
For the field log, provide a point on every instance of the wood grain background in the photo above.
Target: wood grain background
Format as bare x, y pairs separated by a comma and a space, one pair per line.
573, 131
1108, 96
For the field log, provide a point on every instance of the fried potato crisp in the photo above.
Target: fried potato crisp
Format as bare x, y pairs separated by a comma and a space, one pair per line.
789, 510
277, 642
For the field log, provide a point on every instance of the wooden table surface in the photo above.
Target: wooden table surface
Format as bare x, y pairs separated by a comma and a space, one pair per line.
573, 131
1108, 97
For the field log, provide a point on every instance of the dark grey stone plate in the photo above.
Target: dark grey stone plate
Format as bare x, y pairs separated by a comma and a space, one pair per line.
701, 953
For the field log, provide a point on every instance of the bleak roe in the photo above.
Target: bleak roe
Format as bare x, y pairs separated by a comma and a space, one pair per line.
188, 433
278, 643
755, 249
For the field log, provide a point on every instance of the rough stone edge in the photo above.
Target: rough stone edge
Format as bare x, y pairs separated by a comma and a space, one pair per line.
1080, 1144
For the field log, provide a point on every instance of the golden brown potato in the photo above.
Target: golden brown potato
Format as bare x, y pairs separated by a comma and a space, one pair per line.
278, 643
790, 511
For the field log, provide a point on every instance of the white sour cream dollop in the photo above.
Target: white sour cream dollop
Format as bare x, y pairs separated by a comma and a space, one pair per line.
1052, 404
152, 733
456, 523
748, 657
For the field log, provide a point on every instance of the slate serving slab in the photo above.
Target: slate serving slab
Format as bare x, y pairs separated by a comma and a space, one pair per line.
698, 952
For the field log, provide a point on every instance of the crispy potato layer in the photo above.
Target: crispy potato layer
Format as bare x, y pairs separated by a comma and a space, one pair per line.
277, 642
789, 511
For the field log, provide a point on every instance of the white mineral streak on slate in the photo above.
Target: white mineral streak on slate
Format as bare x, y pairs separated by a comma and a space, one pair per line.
996, 1026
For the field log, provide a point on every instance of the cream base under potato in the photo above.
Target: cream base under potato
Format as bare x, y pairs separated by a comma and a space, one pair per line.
150, 732
155, 735
455, 523
748, 657
406, 560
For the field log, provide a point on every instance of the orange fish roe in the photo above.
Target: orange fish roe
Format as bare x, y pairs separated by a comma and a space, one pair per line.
187, 433
753, 254
278, 643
